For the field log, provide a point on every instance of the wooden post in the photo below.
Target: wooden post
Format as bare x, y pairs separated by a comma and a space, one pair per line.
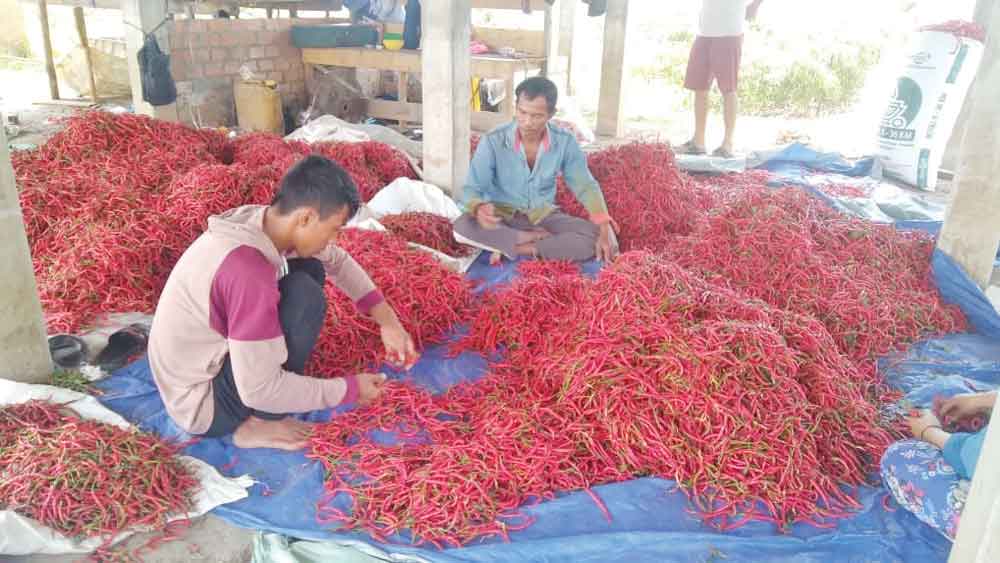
446, 66
555, 63
24, 348
270, 13
50, 65
610, 115
403, 91
293, 13
81, 30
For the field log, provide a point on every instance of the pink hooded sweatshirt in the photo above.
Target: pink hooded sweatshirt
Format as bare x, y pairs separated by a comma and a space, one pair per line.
222, 298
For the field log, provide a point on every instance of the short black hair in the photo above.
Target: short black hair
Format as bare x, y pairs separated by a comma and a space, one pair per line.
538, 86
320, 183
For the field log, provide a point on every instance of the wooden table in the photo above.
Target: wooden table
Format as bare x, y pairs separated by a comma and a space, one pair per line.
405, 62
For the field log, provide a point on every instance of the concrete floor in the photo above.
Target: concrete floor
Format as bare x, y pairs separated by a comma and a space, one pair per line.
208, 539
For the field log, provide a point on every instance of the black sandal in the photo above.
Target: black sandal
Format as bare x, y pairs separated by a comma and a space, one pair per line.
123, 346
690, 148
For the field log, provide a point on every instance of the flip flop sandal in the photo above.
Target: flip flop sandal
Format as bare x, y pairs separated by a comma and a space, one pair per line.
123, 346
67, 351
721, 152
690, 148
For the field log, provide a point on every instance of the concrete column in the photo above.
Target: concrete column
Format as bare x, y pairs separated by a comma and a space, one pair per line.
555, 62
145, 15
446, 91
567, 25
24, 348
610, 113
978, 539
971, 231
980, 15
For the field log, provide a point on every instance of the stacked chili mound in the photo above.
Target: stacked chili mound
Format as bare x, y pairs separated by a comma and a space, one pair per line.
85, 478
648, 370
111, 202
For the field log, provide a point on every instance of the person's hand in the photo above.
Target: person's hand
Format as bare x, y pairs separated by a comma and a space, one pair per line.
752, 11
920, 423
369, 387
399, 348
602, 248
487, 217
967, 405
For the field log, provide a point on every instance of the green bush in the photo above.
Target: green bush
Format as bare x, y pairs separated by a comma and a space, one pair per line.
819, 81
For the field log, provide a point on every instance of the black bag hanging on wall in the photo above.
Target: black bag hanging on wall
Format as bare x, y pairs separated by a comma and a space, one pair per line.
158, 86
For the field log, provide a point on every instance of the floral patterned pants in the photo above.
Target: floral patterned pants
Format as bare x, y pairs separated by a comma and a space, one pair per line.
922, 482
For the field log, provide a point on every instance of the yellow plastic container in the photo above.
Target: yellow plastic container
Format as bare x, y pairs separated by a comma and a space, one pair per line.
258, 106
392, 41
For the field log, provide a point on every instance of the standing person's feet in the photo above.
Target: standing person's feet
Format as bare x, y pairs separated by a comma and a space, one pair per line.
285, 434
691, 147
724, 152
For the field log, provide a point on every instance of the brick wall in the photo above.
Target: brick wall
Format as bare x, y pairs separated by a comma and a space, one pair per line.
206, 57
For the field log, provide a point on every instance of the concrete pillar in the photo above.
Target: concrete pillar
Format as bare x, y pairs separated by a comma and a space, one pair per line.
971, 231
610, 113
567, 25
446, 91
145, 15
555, 62
978, 539
24, 348
980, 15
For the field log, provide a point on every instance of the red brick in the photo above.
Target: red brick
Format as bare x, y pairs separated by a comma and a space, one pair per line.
214, 69
202, 55
257, 53
220, 25
219, 54
231, 39
252, 25
238, 54
281, 64
276, 76
250, 65
266, 37
179, 68
283, 38
194, 26
273, 25
265, 64
272, 51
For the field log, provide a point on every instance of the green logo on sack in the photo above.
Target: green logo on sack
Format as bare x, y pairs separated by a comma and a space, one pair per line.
903, 109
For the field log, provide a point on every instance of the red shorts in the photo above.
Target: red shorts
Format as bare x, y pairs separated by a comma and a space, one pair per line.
714, 57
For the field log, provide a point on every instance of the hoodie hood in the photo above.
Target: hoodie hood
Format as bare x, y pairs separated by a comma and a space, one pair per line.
245, 226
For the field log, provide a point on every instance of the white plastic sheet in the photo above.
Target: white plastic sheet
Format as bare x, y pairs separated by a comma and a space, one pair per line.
404, 195
22, 536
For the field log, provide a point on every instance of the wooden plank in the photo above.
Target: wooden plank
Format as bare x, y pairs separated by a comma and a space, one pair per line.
413, 112
66, 103
484, 66
610, 114
50, 65
505, 4
524, 40
81, 31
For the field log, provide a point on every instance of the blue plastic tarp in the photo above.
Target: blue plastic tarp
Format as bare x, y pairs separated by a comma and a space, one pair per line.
651, 519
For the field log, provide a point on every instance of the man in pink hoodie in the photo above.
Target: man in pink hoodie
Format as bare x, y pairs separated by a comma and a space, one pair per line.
243, 307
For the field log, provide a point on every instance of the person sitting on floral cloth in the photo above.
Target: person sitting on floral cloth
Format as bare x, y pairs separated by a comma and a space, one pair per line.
930, 476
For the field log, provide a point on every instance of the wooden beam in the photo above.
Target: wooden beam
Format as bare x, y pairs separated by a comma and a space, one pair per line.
81, 31
50, 65
555, 64
505, 4
484, 66
610, 114
414, 112
403, 92
447, 73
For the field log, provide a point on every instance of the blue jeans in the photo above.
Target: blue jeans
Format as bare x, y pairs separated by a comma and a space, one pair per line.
922, 482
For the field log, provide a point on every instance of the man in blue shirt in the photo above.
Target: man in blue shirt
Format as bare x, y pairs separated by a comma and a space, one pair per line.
509, 196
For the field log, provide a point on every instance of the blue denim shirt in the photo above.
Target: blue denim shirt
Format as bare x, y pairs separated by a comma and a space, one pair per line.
499, 174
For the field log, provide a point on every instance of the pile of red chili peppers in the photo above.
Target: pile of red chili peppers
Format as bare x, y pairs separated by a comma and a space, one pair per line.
649, 370
428, 298
111, 202
85, 478
427, 229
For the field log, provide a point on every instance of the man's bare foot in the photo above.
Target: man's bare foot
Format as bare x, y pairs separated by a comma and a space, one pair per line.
285, 434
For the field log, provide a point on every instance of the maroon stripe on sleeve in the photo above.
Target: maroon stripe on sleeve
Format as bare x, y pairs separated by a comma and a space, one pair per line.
244, 297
